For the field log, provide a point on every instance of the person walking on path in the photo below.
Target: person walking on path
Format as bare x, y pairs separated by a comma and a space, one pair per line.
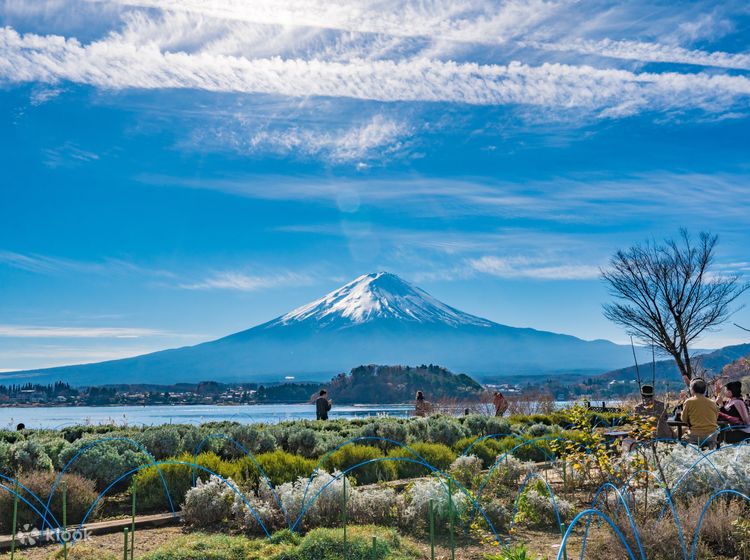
322, 405
501, 405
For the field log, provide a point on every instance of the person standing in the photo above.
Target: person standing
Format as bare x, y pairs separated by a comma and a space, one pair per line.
322, 405
421, 406
501, 405
701, 415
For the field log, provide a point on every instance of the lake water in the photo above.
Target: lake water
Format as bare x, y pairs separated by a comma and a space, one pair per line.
61, 416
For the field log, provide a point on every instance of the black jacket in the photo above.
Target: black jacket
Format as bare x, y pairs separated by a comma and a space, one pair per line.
322, 406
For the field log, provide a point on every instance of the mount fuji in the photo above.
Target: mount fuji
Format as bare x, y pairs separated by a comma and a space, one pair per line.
376, 318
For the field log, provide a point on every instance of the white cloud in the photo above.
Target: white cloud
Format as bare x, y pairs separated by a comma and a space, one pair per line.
649, 52
242, 282
456, 20
44, 264
378, 136
28, 331
521, 267
662, 197
114, 63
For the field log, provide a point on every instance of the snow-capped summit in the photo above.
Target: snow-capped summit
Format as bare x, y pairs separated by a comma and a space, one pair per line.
375, 296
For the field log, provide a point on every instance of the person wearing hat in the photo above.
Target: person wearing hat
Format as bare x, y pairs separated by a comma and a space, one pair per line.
656, 409
734, 411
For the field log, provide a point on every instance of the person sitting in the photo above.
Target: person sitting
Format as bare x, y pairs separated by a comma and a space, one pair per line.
421, 406
734, 411
701, 415
652, 408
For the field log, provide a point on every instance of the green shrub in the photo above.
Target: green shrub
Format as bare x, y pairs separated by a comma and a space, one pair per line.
438, 455
445, 430
161, 441
6, 463
476, 424
498, 425
329, 544
537, 451
351, 455
279, 466
81, 496
179, 479
104, 462
487, 449
29, 455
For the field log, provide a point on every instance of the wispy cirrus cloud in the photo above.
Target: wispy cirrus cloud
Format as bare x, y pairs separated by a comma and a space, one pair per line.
648, 52
35, 331
244, 282
656, 196
46, 264
523, 267
114, 63
376, 137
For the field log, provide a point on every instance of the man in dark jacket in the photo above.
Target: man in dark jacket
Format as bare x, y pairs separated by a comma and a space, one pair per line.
322, 406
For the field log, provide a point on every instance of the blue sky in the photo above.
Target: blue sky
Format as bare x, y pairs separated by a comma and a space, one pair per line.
178, 170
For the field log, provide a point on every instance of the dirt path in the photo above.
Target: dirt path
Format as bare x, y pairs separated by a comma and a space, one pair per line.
146, 540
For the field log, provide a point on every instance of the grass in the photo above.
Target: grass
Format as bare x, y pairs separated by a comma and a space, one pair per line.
317, 544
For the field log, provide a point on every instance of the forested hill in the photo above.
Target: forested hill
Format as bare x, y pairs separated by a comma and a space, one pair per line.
395, 384
667, 370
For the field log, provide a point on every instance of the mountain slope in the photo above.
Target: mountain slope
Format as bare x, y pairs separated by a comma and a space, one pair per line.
667, 369
377, 318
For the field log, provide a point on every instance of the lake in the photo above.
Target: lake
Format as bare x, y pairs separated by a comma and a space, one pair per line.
61, 416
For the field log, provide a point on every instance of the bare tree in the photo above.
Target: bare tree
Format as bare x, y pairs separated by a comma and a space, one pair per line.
668, 296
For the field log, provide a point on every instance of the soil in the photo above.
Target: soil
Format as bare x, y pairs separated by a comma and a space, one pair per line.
146, 540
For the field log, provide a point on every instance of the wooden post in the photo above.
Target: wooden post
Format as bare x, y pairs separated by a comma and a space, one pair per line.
125, 544
65, 519
451, 514
132, 526
15, 523
431, 515
343, 516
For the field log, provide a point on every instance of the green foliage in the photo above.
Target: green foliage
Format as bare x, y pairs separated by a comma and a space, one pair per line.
532, 451
438, 455
497, 425
161, 441
205, 547
179, 479
81, 496
28, 455
279, 466
103, 462
327, 544
351, 455
487, 449
445, 430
